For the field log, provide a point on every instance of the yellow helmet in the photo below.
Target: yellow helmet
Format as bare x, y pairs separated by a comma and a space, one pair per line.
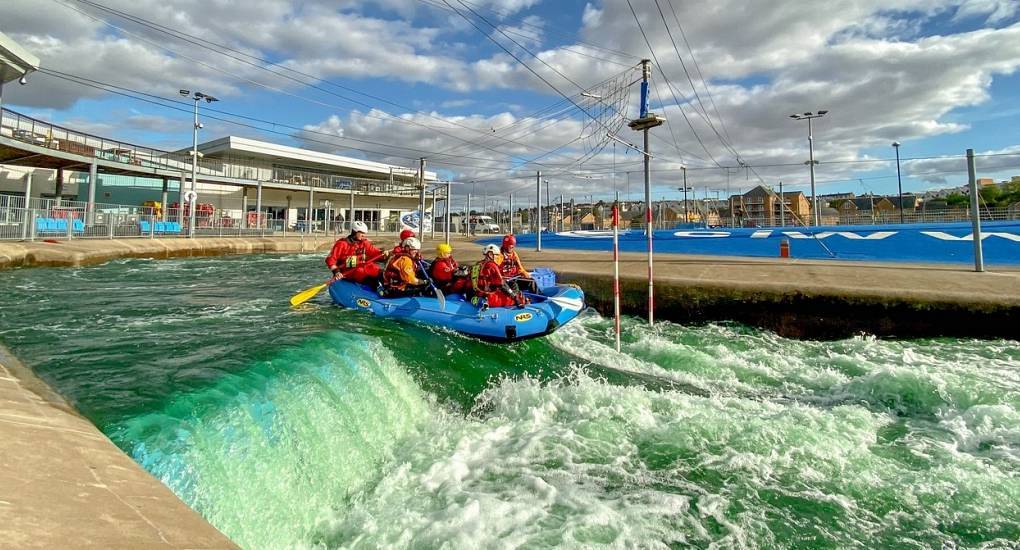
442, 249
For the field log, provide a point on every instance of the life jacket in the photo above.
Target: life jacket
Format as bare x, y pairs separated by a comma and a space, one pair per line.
510, 266
349, 253
485, 277
442, 270
391, 275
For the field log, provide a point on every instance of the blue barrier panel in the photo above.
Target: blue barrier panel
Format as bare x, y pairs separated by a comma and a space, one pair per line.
143, 227
78, 226
942, 243
61, 225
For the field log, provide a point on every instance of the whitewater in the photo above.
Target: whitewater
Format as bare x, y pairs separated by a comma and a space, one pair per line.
317, 427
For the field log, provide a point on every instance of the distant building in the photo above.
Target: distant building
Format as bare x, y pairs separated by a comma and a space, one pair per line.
761, 207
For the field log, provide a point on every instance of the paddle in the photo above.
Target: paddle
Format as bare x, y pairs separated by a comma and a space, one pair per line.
439, 293
309, 293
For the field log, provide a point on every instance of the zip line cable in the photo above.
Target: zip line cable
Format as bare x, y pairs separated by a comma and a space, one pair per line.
518, 59
203, 43
697, 68
697, 96
388, 117
679, 106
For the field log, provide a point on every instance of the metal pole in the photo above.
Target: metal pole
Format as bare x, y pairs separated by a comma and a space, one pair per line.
194, 173
687, 218
899, 181
350, 222
90, 208
538, 211
650, 230
59, 191
561, 213
811, 160
308, 215
447, 228
616, 269
467, 217
782, 205
511, 213
163, 197
180, 201
433, 233
975, 213
421, 198
258, 204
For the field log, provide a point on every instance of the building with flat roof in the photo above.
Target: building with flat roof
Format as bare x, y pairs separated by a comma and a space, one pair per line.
235, 175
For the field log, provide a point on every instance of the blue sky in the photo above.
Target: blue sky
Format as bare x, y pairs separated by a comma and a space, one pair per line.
937, 75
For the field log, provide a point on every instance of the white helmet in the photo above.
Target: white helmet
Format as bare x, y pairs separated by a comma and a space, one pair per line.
412, 243
490, 248
359, 227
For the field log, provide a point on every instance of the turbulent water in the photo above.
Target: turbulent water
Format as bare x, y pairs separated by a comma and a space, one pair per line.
320, 427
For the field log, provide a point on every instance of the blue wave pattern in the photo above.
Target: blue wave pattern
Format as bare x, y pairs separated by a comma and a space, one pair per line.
939, 243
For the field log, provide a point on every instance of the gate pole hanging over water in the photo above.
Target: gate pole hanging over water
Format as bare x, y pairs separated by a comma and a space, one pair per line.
975, 213
616, 269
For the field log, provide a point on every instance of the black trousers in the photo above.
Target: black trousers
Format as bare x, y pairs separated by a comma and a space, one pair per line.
524, 285
410, 291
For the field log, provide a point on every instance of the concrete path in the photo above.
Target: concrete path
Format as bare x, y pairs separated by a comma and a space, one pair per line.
63, 484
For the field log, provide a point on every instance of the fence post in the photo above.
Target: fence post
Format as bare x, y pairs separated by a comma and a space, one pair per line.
975, 213
110, 223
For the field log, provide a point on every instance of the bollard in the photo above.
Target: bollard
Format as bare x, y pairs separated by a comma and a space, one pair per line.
784, 248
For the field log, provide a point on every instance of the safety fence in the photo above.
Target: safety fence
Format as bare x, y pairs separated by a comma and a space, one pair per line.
68, 222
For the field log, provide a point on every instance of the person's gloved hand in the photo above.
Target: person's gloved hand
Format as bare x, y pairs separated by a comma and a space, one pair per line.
337, 275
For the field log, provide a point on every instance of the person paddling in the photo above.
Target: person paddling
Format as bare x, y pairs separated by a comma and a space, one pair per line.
511, 267
448, 276
400, 278
353, 257
404, 235
487, 283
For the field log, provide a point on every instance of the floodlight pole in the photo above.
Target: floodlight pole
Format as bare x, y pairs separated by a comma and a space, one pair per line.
811, 159
538, 211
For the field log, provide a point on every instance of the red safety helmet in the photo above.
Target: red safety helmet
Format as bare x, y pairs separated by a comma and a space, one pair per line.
509, 240
406, 234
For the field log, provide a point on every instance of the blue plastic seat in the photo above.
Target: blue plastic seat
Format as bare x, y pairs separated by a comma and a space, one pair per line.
78, 226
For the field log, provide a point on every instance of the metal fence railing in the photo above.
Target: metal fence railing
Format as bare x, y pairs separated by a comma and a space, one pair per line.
44, 134
120, 221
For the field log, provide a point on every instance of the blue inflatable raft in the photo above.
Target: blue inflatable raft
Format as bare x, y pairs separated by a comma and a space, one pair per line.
554, 306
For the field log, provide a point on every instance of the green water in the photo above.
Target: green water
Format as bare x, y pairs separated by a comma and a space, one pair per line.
318, 427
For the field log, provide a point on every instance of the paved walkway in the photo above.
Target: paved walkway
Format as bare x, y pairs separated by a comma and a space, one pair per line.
63, 484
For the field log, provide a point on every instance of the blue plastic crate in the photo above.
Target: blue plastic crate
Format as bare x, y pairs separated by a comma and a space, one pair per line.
544, 277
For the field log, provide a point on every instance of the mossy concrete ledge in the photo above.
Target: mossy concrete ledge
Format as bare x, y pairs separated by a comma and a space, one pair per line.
803, 299
63, 484
95, 251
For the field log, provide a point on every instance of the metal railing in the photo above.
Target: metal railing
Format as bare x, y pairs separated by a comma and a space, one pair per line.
122, 221
44, 134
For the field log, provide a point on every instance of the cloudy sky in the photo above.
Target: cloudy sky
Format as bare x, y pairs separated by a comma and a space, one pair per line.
394, 80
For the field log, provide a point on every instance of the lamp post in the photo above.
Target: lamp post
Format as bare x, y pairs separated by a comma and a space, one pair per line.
899, 182
685, 189
811, 158
198, 97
